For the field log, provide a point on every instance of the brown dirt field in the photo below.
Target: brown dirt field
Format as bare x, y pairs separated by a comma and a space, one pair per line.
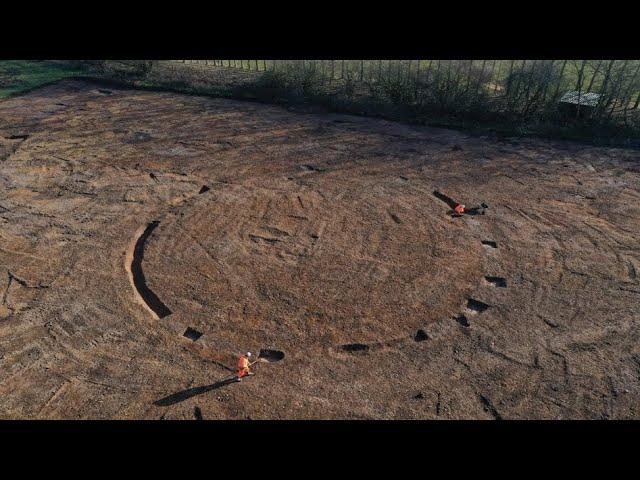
317, 235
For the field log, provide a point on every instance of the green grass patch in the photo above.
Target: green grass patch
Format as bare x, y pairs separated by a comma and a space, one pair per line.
20, 76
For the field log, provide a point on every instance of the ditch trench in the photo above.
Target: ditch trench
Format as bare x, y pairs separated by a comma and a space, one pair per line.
158, 310
148, 299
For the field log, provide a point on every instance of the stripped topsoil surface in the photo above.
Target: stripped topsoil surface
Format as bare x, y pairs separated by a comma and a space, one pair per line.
147, 239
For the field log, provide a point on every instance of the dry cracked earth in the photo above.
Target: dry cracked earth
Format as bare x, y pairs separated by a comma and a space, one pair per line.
147, 239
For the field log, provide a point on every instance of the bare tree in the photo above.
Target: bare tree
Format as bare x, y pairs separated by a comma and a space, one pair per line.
593, 77
579, 87
615, 91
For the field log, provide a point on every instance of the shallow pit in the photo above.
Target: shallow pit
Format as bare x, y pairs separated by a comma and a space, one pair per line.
197, 413
421, 336
476, 306
192, 334
499, 282
270, 355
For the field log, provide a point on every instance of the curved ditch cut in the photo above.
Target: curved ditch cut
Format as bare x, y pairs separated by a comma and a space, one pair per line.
270, 355
133, 264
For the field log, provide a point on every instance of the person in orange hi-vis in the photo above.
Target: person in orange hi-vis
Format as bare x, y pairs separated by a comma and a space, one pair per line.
461, 209
243, 366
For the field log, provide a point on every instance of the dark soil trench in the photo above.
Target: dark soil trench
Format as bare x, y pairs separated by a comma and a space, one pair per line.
271, 355
150, 298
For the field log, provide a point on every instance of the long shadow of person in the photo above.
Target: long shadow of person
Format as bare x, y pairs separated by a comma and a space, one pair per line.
191, 392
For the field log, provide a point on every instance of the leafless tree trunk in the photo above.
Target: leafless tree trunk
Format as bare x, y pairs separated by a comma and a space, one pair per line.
626, 96
548, 81
509, 78
458, 75
529, 98
466, 88
616, 90
606, 94
426, 73
579, 87
555, 94
593, 77
495, 78
524, 63
480, 77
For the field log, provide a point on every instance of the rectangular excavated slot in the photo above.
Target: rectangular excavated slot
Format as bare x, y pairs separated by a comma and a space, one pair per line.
192, 334
476, 306
355, 347
496, 281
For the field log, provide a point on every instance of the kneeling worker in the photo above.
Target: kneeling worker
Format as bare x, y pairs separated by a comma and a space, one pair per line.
461, 209
243, 366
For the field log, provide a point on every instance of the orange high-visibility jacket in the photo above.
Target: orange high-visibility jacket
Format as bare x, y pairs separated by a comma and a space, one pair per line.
243, 363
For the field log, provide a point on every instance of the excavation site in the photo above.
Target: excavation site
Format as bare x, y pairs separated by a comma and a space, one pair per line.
149, 239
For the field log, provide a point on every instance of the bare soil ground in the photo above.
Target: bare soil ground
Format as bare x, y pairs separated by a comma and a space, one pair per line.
147, 239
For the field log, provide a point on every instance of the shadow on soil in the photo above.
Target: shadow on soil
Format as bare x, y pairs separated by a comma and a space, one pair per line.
192, 392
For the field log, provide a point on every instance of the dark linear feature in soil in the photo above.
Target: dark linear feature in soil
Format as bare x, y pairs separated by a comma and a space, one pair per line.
490, 408
445, 198
139, 281
311, 168
355, 347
